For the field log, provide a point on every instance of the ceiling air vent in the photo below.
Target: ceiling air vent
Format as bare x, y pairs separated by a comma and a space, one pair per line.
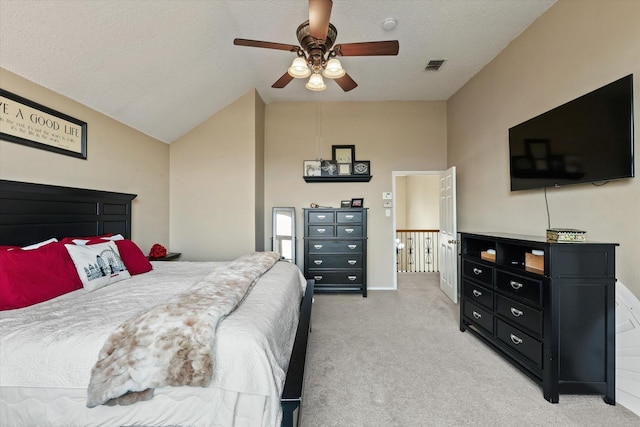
434, 64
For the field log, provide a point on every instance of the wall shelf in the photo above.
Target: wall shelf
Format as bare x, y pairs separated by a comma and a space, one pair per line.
342, 178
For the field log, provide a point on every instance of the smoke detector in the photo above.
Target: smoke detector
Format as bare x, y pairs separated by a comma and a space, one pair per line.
389, 24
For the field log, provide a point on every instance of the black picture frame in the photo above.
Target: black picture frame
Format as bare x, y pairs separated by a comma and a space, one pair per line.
343, 153
345, 203
28, 123
357, 202
362, 167
329, 168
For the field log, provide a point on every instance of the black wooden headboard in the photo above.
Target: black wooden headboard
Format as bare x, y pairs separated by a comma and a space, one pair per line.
31, 213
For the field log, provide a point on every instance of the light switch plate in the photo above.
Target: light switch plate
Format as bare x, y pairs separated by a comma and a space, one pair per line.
387, 204
387, 195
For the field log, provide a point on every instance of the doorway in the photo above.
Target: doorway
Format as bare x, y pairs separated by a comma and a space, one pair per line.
415, 213
423, 221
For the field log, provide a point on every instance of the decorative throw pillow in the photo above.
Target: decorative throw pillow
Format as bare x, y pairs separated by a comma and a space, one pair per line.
98, 265
29, 277
134, 259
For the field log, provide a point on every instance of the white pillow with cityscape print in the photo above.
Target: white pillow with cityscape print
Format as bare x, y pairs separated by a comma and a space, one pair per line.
98, 265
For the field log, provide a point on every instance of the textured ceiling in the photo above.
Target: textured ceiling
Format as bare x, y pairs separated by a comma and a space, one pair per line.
164, 66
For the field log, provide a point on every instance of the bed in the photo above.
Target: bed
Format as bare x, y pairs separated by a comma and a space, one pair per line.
49, 350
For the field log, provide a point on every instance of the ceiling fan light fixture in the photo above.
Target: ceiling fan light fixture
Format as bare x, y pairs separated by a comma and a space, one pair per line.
334, 69
299, 69
316, 83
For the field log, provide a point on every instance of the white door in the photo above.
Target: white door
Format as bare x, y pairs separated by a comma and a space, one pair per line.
448, 235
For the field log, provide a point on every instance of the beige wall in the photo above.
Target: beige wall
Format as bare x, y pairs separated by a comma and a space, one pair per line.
575, 47
214, 184
392, 135
118, 159
417, 202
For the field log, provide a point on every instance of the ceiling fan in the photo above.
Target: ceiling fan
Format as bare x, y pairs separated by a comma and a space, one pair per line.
316, 55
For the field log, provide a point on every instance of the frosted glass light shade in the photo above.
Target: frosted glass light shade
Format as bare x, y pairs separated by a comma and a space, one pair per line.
315, 83
334, 69
299, 69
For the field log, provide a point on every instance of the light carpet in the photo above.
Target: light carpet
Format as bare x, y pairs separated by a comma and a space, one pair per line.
398, 358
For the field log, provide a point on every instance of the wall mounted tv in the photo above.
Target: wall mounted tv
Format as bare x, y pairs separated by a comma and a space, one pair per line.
589, 139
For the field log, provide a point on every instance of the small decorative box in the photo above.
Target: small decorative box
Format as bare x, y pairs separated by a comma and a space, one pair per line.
570, 235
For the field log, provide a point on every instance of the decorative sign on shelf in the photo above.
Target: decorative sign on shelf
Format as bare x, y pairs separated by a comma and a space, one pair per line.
28, 123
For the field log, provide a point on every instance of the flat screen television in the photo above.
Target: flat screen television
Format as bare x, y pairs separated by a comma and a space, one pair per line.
589, 139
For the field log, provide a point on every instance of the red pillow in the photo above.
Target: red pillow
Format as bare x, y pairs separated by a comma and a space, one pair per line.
133, 258
30, 277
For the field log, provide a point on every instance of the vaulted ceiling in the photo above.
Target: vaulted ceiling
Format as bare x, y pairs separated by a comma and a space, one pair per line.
164, 66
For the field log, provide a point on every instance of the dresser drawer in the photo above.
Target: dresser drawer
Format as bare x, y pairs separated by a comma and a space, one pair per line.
520, 314
320, 231
349, 217
336, 278
349, 231
522, 287
478, 272
328, 246
478, 294
321, 217
478, 315
334, 261
524, 344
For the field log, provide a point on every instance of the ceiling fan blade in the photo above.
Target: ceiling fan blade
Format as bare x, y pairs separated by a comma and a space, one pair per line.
266, 45
282, 81
389, 47
319, 15
346, 83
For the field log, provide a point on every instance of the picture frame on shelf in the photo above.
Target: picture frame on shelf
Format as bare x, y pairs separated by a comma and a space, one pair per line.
345, 203
343, 153
357, 202
344, 168
312, 168
329, 168
362, 167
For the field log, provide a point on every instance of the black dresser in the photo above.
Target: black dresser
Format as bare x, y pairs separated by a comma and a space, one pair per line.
335, 249
547, 307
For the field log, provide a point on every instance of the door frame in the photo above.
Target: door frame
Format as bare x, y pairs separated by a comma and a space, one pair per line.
395, 174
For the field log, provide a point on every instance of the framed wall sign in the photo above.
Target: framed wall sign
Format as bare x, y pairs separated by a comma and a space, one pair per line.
343, 153
28, 123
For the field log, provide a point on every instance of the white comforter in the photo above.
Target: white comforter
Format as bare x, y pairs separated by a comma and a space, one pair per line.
54, 345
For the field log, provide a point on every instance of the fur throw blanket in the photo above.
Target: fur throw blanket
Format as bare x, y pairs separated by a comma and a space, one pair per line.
172, 343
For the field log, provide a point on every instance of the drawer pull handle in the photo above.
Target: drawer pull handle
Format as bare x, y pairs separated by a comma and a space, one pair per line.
516, 312
322, 216
352, 246
321, 230
317, 261
317, 246
515, 339
477, 315
352, 278
349, 230
317, 278
477, 271
349, 216
476, 293
352, 262
515, 285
